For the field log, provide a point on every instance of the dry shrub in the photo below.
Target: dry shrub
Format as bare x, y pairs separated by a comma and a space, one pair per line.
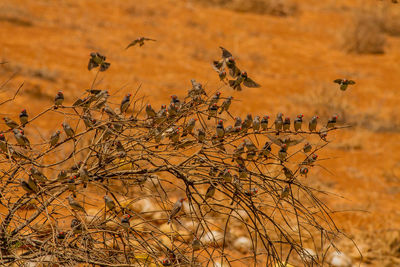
269, 7
390, 21
364, 35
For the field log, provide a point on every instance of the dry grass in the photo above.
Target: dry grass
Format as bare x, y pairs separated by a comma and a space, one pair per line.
270, 7
364, 35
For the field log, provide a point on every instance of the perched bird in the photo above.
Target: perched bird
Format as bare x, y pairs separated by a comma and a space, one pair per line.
3, 143
84, 175
312, 125
323, 133
282, 154
226, 104
212, 111
150, 111
62, 175
58, 99
242, 79
172, 110
238, 151
214, 99
266, 150
252, 192
304, 171
196, 244
307, 147
201, 135
88, 120
238, 122
310, 159
227, 176
297, 122
220, 129
21, 138
61, 235
54, 138
176, 209
10, 123
197, 89
139, 41
109, 202
68, 130
174, 135
210, 192
71, 185
29, 186
256, 124
189, 127
285, 192
278, 122
96, 59
161, 114
175, 100
247, 123
250, 146
76, 226
286, 124
23, 117
125, 103
75, 204
264, 123
344, 83
120, 149
166, 262
332, 121
288, 173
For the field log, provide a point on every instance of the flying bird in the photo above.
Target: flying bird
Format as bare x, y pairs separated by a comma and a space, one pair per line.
140, 41
344, 83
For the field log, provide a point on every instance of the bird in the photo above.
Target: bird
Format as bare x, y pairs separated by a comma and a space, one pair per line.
176, 209
37, 175
227, 176
120, 149
109, 202
247, 122
201, 135
243, 79
68, 130
226, 104
221, 73
252, 192
234, 71
307, 147
285, 192
76, 226
10, 123
150, 111
212, 111
75, 204
312, 125
256, 124
175, 100
84, 175
282, 154
304, 171
288, 173
220, 129
214, 99
344, 83
238, 122
210, 192
297, 122
189, 127
286, 124
332, 121
266, 150
54, 138
278, 122
21, 138
71, 185
29, 186
139, 41
110, 112
125, 103
238, 151
264, 122
310, 159
196, 244
3, 143
125, 221
58, 99
23, 117
96, 59
287, 140
172, 110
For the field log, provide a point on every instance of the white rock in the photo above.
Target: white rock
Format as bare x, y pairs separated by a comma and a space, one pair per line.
339, 259
242, 244
212, 238
309, 254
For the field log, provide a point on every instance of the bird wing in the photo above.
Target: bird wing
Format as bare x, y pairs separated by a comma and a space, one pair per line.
225, 53
351, 82
132, 44
234, 71
290, 142
250, 83
104, 66
148, 39
218, 65
92, 64
339, 81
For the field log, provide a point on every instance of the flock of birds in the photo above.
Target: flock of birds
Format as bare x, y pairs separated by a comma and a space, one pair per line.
176, 122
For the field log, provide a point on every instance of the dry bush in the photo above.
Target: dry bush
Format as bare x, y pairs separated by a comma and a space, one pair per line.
390, 20
364, 35
269, 7
261, 212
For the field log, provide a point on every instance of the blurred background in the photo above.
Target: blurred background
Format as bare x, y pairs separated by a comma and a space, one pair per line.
294, 49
